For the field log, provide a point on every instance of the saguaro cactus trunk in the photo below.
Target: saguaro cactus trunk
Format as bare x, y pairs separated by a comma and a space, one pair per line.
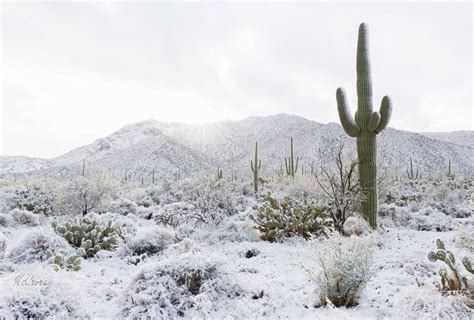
255, 166
365, 125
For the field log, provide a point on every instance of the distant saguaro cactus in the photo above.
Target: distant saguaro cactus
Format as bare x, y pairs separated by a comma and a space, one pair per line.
291, 166
219, 174
411, 173
255, 166
365, 125
450, 174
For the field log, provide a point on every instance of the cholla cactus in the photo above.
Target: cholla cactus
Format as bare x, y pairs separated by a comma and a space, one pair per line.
61, 260
450, 278
89, 236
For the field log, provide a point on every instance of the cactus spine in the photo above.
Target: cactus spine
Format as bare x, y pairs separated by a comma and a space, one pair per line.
411, 173
291, 166
255, 166
365, 125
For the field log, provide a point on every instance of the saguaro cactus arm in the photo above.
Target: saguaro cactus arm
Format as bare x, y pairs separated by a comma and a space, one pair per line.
385, 113
347, 122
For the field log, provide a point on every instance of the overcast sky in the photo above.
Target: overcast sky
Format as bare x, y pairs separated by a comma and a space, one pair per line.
74, 72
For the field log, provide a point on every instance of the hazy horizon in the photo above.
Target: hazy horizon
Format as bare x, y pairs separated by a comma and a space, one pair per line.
76, 72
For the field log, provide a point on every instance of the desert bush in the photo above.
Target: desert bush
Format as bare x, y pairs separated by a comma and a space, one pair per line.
346, 264
169, 289
88, 235
34, 199
34, 246
151, 240
39, 305
235, 229
342, 190
24, 217
430, 219
122, 206
290, 216
212, 202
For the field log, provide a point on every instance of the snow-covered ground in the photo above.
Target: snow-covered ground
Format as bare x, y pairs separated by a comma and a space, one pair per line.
240, 276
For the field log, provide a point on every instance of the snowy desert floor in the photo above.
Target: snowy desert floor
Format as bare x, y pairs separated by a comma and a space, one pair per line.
248, 278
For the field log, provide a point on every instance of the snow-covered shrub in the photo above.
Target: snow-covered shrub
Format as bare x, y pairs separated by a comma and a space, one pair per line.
169, 289
88, 235
122, 206
347, 264
356, 225
422, 303
430, 219
212, 202
151, 240
34, 246
3, 245
465, 239
173, 214
39, 305
34, 199
24, 217
454, 210
234, 229
5, 220
290, 216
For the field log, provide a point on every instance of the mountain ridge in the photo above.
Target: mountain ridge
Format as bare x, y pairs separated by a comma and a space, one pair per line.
164, 147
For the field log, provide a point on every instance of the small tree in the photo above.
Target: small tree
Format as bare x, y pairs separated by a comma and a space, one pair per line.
86, 194
342, 187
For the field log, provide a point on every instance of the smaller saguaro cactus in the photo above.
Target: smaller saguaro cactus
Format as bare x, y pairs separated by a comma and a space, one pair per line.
290, 164
255, 166
125, 177
153, 176
280, 171
84, 168
219, 174
177, 175
411, 173
450, 278
450, 174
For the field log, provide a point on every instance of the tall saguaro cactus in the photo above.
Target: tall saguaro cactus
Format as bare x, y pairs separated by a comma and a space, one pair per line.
255, 166
291, 166
365, 125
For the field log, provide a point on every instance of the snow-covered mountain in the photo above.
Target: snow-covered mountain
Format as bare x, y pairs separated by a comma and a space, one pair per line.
167, 147
462, 137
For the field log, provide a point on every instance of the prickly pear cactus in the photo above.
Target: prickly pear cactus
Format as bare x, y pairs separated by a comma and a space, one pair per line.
88, 236
468, 265
450, 278
365, 125
61, 260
